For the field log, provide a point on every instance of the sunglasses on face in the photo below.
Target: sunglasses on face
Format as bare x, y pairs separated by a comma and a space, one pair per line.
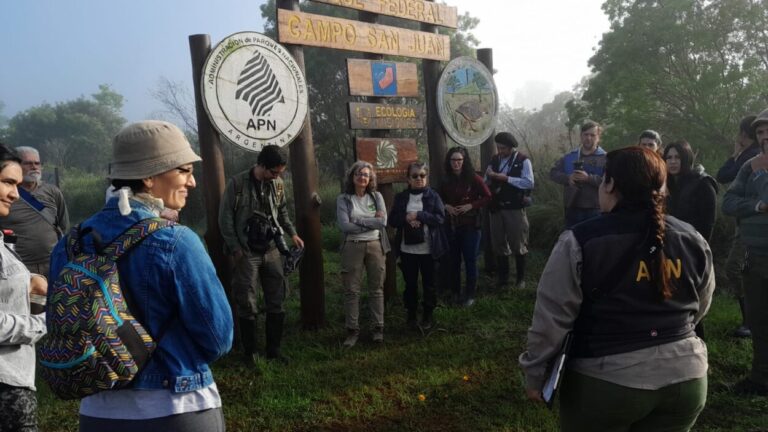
418, 176
362, 174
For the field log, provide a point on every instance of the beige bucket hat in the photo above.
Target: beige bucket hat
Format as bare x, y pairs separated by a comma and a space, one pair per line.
148, 148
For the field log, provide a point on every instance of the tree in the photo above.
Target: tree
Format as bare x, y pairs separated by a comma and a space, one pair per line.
689, 68
76, 133
3, 119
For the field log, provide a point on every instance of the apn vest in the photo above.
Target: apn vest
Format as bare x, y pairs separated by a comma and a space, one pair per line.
622, 310
506, 196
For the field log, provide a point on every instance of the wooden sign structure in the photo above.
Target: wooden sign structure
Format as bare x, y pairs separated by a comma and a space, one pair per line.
323, 31
382, 78
389, 156
414, 10
385, 116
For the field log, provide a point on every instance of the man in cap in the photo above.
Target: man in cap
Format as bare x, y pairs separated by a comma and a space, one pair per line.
510, 179
744, 148
581, 172
747, 200
39, 217
253, 217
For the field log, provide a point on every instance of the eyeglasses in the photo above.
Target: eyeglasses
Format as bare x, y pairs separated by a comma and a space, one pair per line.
418, 176
362, 174
457, 160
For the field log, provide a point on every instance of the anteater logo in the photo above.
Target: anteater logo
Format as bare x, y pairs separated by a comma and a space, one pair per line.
254, 92
259, 87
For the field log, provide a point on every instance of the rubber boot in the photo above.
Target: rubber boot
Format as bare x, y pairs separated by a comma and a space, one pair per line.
248, 339
427, 321
502, 272
274, 333
743, 330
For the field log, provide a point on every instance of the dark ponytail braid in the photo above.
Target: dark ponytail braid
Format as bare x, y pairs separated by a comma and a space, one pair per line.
658, 259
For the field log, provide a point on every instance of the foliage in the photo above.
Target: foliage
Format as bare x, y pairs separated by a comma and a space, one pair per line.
688, 68
76, 133
84, 192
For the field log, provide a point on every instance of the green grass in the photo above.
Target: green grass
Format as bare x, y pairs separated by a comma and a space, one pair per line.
377, 388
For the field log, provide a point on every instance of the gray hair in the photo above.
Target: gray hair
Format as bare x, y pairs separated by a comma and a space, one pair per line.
349, 183
22, 150
417, 165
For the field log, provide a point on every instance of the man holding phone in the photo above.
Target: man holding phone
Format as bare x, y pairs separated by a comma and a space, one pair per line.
580, 172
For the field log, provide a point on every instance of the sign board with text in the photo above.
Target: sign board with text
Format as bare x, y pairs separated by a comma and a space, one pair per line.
300, 28
415, 10
389, 156
385, 116
382, 78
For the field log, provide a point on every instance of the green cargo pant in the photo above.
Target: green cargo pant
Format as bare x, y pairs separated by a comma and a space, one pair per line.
589, 404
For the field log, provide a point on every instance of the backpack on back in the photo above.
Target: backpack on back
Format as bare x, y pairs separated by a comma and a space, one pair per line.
94, 343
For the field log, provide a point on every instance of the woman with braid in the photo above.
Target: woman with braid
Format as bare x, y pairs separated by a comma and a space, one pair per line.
629, 285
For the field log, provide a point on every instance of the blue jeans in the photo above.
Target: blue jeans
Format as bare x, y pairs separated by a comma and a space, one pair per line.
576, 215
464, 242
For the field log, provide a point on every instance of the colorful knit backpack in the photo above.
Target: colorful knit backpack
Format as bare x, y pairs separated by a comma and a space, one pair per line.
94, 343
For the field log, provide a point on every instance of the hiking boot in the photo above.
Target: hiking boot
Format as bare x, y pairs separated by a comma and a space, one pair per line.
377, 335
747, 387
351, 340
742, 331
469, 302
520, 285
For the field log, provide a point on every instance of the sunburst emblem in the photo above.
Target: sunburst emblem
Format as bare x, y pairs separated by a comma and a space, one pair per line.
386, 155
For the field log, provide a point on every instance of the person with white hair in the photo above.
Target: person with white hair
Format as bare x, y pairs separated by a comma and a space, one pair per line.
39, 217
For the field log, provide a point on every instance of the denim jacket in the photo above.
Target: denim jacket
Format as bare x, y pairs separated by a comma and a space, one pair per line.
179, 298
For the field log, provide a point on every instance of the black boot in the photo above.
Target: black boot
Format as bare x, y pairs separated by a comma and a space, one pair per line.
411, 320
520, 266
248, 339
274, 332
427, 321
743, 330
502, 271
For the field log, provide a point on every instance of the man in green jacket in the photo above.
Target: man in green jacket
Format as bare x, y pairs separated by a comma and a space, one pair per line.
253, 217
747, 200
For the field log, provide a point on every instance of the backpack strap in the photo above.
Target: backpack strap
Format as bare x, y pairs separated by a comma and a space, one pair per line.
134, 235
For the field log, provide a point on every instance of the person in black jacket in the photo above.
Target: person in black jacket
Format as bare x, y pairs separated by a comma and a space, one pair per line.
744, 149
418, 215
692, 194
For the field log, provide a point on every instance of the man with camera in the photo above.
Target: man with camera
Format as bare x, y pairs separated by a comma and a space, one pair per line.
252, 218
580, 172
510, 179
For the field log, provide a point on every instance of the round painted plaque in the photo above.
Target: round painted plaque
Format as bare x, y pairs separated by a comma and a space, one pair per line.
254, 92
467, 102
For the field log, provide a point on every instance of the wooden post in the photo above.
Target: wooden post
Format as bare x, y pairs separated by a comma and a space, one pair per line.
387, 189
212, 177
487, 150
307, 201
436, 142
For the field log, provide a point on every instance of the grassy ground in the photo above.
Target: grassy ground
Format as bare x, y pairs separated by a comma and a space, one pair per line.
461, 376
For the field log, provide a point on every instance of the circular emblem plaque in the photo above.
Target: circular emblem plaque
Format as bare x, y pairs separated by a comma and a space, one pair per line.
467, 102
254, 92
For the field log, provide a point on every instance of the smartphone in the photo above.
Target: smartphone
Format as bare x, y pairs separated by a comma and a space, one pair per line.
578, 165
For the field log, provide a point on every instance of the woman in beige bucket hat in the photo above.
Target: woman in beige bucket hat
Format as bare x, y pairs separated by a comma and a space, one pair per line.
173, 284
